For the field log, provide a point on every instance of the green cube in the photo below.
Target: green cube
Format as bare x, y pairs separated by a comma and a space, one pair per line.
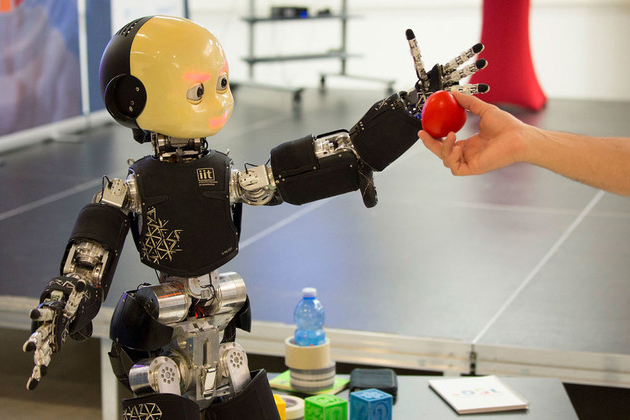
325, 407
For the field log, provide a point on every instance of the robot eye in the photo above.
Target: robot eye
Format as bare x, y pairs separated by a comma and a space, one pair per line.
195, 93
222, 83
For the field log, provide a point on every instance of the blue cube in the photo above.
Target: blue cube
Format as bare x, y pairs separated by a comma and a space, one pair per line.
371, 404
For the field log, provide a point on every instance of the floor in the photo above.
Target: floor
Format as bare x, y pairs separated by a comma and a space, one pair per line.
516, 263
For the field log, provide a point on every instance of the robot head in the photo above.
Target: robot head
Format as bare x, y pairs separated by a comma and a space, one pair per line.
167, 75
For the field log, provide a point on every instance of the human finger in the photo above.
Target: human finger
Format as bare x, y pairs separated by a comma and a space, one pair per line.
434, 145
455, 160
447, 146
471, 103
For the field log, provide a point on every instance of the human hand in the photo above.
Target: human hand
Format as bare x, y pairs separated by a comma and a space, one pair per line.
499, 142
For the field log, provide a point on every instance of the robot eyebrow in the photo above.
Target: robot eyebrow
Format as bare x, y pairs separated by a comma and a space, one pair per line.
199, 77
224, 68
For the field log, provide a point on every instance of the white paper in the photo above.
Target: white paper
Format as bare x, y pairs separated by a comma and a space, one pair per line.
478, 394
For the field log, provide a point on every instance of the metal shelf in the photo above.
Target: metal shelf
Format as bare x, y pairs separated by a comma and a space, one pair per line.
267, 59
339, 53
254, 19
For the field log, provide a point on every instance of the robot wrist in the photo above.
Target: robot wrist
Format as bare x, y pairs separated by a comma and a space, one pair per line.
86, 309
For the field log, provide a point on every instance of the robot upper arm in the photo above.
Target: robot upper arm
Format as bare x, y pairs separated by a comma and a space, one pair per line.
301, 171
315, 167
99, 234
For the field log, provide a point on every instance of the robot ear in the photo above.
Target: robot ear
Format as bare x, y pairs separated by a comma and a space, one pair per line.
125, 98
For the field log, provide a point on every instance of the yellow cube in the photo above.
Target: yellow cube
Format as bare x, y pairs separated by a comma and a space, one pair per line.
281, 406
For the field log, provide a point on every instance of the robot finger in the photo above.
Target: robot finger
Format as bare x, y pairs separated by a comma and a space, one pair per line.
417, 57
36, 376
470, 89
37, 339
452, 65
74, 300
41, 359
42, 314
43, 355
460, 74
34, 379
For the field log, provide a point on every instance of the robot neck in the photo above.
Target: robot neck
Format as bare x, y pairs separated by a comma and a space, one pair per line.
173, 149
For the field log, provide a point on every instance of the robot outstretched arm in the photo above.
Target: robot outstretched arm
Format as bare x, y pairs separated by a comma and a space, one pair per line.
316, 167
71, 300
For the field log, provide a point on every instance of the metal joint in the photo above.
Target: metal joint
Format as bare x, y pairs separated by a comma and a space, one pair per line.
234, 366
115, 193
160, 374
333, 143
255, 186
86, 260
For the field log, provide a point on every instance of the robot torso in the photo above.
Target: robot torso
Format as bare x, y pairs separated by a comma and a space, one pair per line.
187, 226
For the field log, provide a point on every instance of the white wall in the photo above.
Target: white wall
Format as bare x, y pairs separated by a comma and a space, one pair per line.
579, 47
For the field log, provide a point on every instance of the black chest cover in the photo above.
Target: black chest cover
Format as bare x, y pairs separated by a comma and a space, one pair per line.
188, 227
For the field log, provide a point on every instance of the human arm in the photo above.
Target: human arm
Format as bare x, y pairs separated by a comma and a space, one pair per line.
601, 162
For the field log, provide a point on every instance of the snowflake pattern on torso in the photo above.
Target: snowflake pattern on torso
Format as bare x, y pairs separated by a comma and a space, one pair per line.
159, 243
147, 411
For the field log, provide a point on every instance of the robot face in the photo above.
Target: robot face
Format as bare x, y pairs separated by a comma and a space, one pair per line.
184, 71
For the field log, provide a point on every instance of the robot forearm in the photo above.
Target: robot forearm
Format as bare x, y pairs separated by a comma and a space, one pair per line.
386, 131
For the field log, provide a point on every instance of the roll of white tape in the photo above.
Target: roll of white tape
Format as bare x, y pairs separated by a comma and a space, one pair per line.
306, 357
295, 407
312, 380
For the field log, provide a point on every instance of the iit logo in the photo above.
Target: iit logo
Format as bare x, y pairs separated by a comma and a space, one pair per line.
205, 176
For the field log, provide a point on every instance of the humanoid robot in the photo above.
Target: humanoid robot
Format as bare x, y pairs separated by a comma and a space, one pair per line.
173, 346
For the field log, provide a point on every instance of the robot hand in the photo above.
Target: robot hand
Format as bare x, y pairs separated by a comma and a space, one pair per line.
68, 306
444, 77
390, 127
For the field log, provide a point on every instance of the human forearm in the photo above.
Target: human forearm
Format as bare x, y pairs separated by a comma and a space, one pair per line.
601, 162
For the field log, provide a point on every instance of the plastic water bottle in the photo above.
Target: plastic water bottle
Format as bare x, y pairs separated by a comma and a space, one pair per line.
309, 319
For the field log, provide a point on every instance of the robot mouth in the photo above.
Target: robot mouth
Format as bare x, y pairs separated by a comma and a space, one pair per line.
219, 122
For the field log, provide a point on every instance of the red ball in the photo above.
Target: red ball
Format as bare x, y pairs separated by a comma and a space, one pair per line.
442, 114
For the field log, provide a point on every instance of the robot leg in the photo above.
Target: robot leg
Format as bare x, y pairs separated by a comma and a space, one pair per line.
136, 335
